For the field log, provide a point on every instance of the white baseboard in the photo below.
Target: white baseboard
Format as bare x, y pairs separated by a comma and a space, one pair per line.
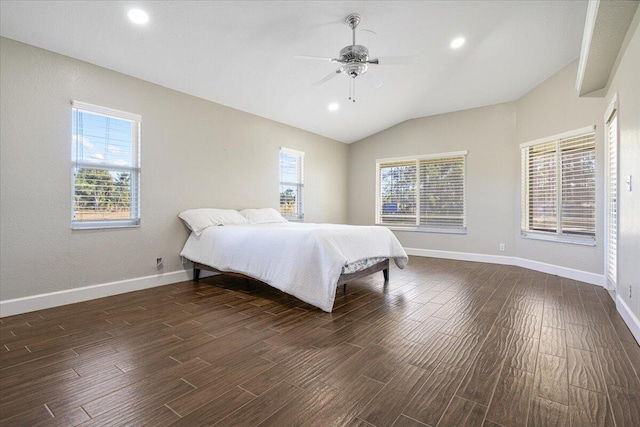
70, 296
461, 256
629, 318
569, 273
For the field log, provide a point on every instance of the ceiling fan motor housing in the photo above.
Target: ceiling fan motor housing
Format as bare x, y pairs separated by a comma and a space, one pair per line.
355, 59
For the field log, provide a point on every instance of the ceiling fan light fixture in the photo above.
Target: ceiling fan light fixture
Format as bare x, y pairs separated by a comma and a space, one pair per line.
138, 16
334, 106
457, 43
354, 69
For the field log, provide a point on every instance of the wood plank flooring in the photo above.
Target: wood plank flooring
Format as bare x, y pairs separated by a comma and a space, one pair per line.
445, 343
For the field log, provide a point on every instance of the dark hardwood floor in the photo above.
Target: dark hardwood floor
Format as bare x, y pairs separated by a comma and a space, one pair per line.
445, 343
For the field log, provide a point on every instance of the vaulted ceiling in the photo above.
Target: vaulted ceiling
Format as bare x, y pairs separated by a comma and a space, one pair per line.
241, 53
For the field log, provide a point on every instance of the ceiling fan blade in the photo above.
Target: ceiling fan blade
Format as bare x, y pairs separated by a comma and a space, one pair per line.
395, 60
327, 77
372, 79
318, 58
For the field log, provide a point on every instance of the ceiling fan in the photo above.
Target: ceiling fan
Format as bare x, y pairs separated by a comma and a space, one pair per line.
354, 61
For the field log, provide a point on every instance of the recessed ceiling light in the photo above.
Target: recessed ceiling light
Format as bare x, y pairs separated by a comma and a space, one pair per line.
138, 16
457, 43
334, 106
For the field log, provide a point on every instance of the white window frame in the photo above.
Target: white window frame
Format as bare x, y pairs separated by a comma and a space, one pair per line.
612, 163
557, 236
299, 183
134, 170
417, 227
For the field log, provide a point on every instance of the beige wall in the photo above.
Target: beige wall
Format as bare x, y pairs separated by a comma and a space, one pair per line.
626, 84
551, 108
492, 136
488, 134
194, 153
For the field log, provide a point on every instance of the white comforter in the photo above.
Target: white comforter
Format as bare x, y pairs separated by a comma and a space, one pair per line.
304, 260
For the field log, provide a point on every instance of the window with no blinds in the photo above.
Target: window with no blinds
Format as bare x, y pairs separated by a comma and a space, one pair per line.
558, 187
427, 192
106, 167
291, 183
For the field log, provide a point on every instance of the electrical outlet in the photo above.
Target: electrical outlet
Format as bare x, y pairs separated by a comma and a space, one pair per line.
183, 260
502, 247
629, 291
158, 262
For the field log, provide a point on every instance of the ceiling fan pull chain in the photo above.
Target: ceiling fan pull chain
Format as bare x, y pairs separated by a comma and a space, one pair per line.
352, 90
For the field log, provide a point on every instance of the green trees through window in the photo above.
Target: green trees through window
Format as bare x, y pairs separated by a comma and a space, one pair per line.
101, 194
291, 183
106, 167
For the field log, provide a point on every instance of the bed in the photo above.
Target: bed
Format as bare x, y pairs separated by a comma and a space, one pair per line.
305, 260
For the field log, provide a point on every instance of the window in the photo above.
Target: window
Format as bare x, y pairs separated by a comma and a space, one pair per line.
106, 167
426, 193
611, 184
291, 183
559, 187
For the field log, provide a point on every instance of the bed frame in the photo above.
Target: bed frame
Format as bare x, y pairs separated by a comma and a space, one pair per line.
342, 280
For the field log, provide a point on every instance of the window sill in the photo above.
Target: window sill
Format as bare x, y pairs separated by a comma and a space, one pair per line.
560, 238
106, 225
425, 229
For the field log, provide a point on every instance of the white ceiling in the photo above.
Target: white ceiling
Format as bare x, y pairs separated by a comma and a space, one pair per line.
240, 54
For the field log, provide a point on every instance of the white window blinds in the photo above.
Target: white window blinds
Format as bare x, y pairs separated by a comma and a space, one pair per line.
612, 200
397, 195
578, 157
558, 186
442, 192
426, 192
106, 167
542, 198
291, 183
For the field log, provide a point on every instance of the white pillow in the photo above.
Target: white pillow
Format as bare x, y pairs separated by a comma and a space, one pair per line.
262, 216
199, 219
